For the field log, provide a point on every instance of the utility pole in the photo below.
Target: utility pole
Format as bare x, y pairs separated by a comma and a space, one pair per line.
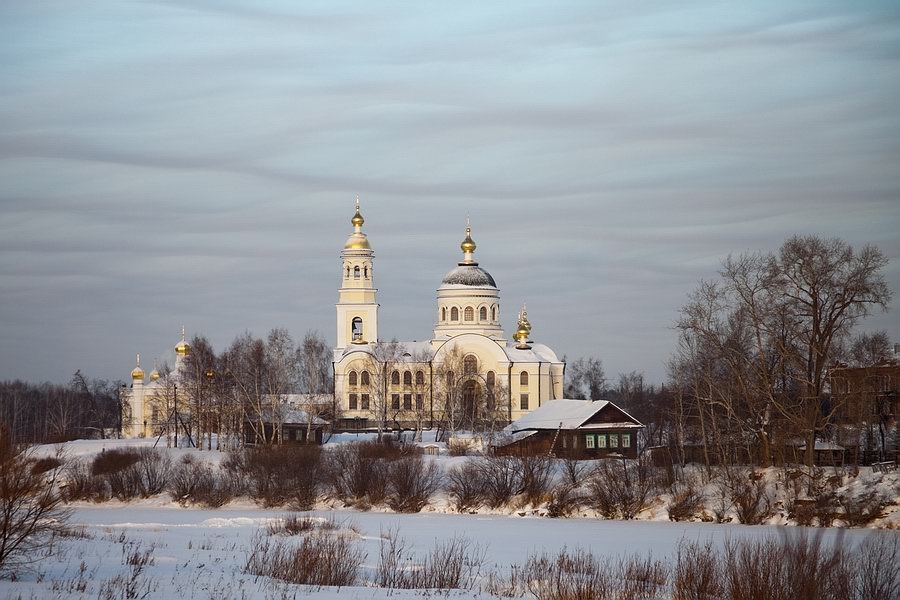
175, 402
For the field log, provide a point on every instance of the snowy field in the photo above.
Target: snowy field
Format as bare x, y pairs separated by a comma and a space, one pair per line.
201, 554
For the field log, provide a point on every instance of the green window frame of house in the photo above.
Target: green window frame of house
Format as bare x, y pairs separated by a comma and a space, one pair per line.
601, 440
626, 440
614, 440
589, 441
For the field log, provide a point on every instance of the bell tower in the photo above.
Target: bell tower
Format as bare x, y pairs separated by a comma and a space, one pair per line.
357, 309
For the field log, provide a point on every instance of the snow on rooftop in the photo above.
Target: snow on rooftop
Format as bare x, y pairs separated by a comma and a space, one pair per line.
570, 413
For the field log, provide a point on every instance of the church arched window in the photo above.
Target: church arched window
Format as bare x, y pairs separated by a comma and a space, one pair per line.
395, 378
357, 329
420, 378
444, 313
364, 378
407, 378
470, 364
523, 378
494, 313
348, 273
470, 313
491, 379
352, 377
482, 313
356, 272
454, 314
366, 272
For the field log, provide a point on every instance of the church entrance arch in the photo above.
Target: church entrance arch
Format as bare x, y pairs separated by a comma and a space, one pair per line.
472, 392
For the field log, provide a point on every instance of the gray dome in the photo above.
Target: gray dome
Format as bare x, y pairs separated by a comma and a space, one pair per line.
471, 275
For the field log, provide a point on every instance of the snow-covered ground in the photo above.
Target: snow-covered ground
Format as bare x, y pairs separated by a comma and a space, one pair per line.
199, 553
202, 553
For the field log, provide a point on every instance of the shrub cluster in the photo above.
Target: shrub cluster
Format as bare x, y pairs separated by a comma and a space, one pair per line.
124, 474
319, 559
495, 481
279, 475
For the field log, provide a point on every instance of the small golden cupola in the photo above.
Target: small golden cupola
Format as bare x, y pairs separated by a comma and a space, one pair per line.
523, 330
357, 239
154, 374
137, 374
468, 246
182, 348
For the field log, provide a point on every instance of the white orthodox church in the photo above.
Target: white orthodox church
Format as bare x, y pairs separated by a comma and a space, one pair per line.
413, 384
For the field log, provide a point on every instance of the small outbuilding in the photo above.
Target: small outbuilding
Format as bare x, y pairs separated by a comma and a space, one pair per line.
572, 429
289, 425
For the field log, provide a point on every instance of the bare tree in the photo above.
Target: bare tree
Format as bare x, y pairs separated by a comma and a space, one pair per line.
869, 349
586, 379
314, 362
31, 509
827, 288
381, 363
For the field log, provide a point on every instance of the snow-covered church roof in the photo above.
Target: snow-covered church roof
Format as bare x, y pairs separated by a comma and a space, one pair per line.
468, 276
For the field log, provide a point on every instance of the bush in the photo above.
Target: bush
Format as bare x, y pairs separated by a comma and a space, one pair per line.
697, 573
620, 488
687, 500
466, 486
536, 477
355, 476
749, 497
564, 500
502, 477
291, 525
117, 468
81, 484
452, 564
859, 511
280, 474
579, 575
411, 482
154, 468
197, 482
42, 465
319, 559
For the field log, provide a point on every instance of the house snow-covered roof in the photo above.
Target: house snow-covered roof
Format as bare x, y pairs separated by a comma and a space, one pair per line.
567, 414
289, 415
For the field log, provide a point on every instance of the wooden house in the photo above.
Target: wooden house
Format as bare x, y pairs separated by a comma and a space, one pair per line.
289, 426
572, 429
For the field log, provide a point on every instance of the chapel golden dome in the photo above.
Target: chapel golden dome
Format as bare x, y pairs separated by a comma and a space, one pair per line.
523, 330
468, 245
182, 348
154, 375
357, 219
137, 373
357, 241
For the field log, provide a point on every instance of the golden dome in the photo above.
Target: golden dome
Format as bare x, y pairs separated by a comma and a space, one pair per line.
468, 245
357, 219
137, 373
523, 329
154, 375
182, 348
357, 241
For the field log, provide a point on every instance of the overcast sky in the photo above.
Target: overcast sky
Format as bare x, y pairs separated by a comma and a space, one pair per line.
196, 162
